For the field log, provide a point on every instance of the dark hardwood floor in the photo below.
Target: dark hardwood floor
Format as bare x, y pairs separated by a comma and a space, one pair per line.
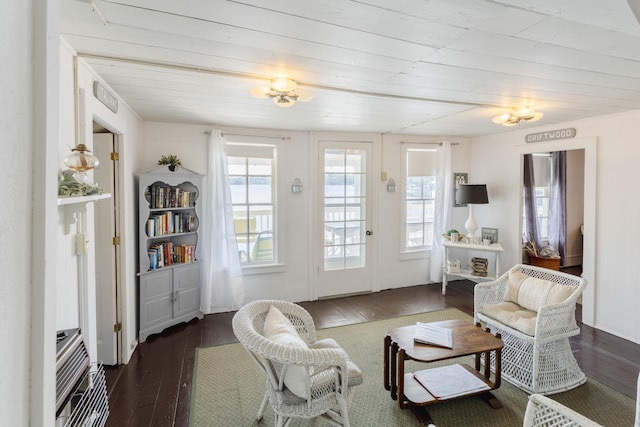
155, 387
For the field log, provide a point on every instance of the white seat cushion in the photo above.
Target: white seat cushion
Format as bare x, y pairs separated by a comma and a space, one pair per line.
512, 315
354, 374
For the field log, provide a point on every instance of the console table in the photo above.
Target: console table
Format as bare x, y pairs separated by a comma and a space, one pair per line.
495, 248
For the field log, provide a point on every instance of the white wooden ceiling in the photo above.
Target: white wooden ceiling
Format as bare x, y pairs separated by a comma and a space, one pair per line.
432, 67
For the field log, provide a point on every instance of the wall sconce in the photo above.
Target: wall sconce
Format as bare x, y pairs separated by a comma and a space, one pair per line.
391, 185
296, 186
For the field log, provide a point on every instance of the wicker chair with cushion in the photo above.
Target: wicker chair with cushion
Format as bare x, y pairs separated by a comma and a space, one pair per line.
533, 309
305, 378
544, 412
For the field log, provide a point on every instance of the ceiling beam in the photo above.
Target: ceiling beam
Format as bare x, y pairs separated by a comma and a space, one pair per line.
217, 72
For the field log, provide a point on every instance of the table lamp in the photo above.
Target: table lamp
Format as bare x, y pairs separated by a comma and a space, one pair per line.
472, 194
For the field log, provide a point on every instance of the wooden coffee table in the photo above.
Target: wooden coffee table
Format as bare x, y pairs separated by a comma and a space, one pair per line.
468, 340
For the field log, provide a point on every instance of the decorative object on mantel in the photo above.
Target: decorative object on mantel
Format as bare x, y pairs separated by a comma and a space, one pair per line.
70, 186
81, 161
170, 159
546, 257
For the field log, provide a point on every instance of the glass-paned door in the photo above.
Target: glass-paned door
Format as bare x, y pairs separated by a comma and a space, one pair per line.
346, 207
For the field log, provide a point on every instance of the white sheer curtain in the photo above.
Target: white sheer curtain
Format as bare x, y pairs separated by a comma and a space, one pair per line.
442, 210
222, 288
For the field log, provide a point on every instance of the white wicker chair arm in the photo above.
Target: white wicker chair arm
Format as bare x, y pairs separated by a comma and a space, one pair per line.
543, 411
489, 293
557, 320
326, 368
320, 357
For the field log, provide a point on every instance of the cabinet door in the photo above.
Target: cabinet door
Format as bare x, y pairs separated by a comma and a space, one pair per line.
187, 287
156, 298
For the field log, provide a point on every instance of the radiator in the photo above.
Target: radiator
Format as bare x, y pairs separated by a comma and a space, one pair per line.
81, 390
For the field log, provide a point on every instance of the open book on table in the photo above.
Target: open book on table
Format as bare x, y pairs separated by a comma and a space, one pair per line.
428, 333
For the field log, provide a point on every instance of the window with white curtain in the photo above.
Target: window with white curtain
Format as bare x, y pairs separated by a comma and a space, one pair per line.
419, 170
252, 181
542, 176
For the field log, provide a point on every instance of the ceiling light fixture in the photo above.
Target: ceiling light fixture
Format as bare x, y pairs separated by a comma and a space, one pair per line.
284, 92
528, 114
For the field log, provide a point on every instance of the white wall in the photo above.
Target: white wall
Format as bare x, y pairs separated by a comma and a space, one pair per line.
295, 283
613, 294
28, 132
17, 135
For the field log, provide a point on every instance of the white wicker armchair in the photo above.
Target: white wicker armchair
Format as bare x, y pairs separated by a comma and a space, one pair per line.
533, 309
544, 412
326, 374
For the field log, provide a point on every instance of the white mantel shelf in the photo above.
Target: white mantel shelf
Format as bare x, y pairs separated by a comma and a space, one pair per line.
76, 207
82, 199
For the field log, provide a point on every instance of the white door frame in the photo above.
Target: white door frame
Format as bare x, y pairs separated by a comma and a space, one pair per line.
105, 324
590, 147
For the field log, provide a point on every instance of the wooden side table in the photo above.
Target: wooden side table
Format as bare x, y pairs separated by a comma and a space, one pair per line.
468, 339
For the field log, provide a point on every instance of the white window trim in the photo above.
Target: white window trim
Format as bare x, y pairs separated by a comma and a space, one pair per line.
278, 265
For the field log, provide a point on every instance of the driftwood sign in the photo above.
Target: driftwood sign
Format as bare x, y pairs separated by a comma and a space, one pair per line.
550, 135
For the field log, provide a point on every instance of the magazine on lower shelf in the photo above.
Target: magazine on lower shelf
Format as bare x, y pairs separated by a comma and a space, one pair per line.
450, 381
428, 333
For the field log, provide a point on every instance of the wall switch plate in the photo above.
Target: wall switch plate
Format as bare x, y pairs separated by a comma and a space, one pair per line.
81, 244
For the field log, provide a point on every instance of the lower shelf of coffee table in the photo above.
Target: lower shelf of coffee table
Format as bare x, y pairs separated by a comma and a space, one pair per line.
417, 395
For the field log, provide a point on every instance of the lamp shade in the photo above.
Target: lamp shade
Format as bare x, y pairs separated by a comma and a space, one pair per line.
475, 194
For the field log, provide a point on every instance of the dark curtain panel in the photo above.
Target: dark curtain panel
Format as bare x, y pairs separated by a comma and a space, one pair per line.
530, 226
558, 203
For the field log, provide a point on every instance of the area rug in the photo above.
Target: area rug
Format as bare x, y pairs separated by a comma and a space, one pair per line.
228, 388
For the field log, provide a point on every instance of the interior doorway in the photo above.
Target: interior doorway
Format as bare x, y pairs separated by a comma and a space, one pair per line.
550, 211
107, 220
589, 145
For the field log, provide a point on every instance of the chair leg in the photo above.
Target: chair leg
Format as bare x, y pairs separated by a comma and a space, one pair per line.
263, 406
344, 412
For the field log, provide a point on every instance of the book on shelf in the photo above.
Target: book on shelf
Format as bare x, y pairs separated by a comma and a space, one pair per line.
167, 253
164, 223
428, 333
450, 381
164, 196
